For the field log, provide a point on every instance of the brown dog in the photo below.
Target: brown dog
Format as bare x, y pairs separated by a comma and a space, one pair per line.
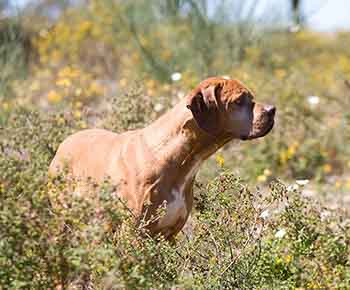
158, 164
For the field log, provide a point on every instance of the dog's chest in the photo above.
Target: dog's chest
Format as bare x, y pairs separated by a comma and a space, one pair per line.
175, 209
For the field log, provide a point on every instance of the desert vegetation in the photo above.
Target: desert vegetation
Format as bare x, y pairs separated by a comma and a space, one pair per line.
268, 214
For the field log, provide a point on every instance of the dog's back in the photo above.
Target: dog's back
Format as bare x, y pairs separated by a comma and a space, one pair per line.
87, 153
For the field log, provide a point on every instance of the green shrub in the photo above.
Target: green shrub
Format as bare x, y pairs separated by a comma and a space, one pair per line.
14, 52
236, 237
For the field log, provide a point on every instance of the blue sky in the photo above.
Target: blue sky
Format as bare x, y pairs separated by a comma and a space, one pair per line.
334, 14
322, 15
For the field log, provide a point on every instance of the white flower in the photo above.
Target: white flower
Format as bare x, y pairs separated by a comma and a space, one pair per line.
280, 233
325, 214
265, 214
158, 107
226, 77
302, 182
292, 187
294, 28
180, 94
176, 76
43, 32
313, 100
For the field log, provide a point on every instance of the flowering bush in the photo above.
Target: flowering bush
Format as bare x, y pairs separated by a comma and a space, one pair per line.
235, 238
81, 61
269, 237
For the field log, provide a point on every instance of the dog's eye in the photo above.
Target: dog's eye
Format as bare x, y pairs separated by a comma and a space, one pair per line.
240, 100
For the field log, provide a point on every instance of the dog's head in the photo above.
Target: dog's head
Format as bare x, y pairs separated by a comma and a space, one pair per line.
221, 106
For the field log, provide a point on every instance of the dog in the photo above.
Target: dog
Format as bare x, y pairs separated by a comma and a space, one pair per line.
157, 165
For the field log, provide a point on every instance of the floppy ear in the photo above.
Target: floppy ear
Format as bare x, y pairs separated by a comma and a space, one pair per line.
204, 107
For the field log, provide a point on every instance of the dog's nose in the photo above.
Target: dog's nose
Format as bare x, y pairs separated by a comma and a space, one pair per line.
271, 110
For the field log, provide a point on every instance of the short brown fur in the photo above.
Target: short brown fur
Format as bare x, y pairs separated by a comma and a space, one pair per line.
158, 164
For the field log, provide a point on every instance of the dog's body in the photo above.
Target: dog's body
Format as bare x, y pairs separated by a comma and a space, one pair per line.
158, 164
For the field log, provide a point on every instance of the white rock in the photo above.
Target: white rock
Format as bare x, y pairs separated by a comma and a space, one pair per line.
280, 233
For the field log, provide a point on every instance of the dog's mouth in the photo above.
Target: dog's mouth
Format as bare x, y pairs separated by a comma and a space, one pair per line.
259, 134
272, 123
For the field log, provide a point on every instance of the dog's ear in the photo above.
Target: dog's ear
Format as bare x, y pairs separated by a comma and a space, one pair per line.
203, 104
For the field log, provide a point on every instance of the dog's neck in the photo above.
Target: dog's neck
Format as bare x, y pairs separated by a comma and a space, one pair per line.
176, 137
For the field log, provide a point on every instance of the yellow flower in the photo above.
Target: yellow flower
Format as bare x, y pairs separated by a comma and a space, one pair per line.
68, 72
261, 178
35, 86
2, 187
327, 168
324, 153
213, 261
313, 285
135, 57
220, 160
288, 259
150, 92
283, 157
56, 56
267, 172
54, 97
166, 54
280, 73
95, 89
245, 75
85, 26
348, 184
167, 88
83, 125
78, 104
64, 82
144, 41
123, 82
338, 184
291, 151
278, 261
150, 84
78, 92
96, 31
77, 114
5, 106
60, 121
64, 72
44, 59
